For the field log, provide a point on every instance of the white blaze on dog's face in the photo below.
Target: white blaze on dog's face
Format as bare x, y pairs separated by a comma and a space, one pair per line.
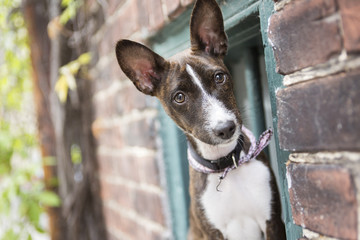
219, 121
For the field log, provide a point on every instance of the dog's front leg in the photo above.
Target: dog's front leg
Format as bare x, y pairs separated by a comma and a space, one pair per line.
275, 226
200, 228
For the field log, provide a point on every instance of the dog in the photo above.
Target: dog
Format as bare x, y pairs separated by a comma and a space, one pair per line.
196, 91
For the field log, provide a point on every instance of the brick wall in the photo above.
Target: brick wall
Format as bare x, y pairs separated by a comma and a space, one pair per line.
317, 47
126, 126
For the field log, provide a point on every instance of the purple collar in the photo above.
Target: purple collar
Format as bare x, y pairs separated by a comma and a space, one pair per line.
254, 150
218, 165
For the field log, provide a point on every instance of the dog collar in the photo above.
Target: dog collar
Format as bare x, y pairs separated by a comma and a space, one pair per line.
218, 165
233, 159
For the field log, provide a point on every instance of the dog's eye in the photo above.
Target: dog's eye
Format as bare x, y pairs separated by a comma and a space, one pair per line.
220, 77
179, 97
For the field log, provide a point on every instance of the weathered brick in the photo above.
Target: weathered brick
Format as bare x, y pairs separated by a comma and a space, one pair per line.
121, 222
156, 16
128, 168
173, 8
139, 133
148, 171
110, 137
124, 196
351, 24
301, 37
137, 169
105, 108
121, 102
118, 193
186, 3
127, 22
113, 5
107, 165
155, 213
129, 99
114, 69
101, 80
128, 225
323, 199
110, 217
322, 114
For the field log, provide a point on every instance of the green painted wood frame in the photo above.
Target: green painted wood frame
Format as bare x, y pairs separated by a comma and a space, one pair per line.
175, 38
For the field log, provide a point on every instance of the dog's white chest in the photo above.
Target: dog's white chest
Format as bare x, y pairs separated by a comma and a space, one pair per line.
242, 207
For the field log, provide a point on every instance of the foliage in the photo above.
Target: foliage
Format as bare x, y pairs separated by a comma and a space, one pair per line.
75, 152
68, 72
23, 197
70, 9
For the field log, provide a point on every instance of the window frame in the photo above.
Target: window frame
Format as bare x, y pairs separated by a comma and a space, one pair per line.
174, 38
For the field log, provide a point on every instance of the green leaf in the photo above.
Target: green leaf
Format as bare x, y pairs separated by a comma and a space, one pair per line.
49, 199
67, 78
85, 58
49, 161
71, 7
61, 88
76, 156
33, 212
10, 235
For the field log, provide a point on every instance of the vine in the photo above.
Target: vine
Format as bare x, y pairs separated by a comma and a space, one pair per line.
23, 197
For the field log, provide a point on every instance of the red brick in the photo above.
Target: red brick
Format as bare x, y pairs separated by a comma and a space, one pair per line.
108, 165
323, 199
156, 16
122, 223
127, 23
101, 80
121, 102
118, 193
115, 71
123, 196
105, 108
113, 5
322, 114
123, 26
351, 24
139, 133
128, 168
150, 206
128, 226
109, 137
137, 169
148, 171
173, 8
129, 99
301, 37
186, 3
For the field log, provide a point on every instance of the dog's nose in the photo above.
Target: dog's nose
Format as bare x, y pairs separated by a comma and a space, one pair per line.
225, 130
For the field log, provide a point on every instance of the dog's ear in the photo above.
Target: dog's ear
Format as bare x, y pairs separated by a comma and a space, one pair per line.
144, 67
207, 28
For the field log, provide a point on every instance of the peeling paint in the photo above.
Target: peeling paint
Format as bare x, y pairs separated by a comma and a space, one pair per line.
342, 63
325, 157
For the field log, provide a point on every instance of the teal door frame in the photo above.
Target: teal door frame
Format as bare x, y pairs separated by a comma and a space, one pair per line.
175, 38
